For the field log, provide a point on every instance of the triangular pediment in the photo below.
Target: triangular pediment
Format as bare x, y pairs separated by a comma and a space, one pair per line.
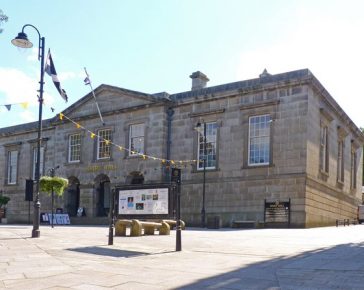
111, 99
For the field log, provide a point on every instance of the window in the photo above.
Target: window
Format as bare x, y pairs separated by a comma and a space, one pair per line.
41, 165
353, 170
136, 139
103, 144
74, 148
12, 167
211, 144
340, 161
259, 140
324, 158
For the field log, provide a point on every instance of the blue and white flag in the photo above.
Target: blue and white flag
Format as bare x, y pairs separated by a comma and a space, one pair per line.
87, 81
51, 71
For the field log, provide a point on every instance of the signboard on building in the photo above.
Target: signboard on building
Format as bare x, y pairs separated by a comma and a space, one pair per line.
144, 201
277, 212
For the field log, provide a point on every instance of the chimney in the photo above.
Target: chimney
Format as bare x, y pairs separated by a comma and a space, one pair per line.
199, 80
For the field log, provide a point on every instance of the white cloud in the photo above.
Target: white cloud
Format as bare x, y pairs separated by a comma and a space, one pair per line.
27, 116
63, 76
17, 86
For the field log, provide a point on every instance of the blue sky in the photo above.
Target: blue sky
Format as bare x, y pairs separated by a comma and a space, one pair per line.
153, 46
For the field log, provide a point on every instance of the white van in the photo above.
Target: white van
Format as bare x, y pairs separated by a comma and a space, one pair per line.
360, 214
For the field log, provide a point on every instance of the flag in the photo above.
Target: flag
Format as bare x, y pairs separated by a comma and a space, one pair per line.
8, 107
51, 71
87, 81
24, 105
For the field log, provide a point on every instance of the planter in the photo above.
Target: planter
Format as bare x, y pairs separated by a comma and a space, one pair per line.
2, 213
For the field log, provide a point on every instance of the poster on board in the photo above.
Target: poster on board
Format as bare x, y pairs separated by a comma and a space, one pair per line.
146, 201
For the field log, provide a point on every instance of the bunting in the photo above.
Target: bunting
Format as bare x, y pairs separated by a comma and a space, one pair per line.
24, 105
121, 148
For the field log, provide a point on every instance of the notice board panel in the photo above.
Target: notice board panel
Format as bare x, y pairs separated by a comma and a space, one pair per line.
277, 212
145, 201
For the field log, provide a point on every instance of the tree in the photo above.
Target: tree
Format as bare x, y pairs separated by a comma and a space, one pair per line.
3, 18
3, 200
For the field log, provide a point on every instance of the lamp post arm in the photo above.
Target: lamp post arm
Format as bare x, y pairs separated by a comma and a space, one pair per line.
40, 43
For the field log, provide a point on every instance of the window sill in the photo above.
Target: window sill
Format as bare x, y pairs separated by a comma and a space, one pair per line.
207, 170
73, 163
103, 160
136, 156
339, 184
324, 172
257, 166
323, 175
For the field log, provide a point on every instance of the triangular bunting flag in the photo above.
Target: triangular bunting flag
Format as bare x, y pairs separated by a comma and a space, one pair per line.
24, 105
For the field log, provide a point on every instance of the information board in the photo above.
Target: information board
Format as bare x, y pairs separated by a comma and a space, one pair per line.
143, 201
277, 211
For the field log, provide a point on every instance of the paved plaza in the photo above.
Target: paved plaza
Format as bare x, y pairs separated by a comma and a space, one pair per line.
78, 257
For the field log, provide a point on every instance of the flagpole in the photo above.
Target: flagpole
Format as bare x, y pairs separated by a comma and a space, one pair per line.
92, 90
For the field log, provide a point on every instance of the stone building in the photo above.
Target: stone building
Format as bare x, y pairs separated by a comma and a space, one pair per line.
276, 137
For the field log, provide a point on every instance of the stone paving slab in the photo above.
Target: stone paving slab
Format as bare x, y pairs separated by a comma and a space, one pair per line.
78, 257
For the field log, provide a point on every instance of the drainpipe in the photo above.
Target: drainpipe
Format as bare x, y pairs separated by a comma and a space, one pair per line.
170, 113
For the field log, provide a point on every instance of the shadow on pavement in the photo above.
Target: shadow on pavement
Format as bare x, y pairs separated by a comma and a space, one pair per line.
339, 267
108, 252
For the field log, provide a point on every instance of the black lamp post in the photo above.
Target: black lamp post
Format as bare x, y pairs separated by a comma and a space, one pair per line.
22, 41
111, 218
203, 211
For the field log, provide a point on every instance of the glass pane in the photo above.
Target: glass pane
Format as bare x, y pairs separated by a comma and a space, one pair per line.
259, 134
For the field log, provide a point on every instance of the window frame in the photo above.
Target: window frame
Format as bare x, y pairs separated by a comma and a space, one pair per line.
9, 167
101, 142
200, 145
133, 152
71, 148
324, 149
353, 171
268, 137
340, 162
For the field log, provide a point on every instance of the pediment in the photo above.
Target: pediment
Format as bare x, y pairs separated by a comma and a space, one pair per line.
111, 99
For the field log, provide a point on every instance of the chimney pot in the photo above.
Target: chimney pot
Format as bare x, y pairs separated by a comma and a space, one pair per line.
199, 80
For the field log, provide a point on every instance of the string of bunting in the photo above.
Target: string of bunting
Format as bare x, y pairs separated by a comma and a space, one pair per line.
121, 148
24, 105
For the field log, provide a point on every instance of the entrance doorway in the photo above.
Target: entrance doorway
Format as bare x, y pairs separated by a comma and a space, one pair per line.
72, 199
102, 186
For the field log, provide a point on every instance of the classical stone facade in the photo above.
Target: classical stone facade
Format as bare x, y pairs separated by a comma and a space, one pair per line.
277, 137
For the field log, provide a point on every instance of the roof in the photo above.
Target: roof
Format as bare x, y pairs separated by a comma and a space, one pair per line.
244, 85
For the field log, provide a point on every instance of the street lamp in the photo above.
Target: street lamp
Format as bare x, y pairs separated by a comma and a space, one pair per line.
22, 41
198, 128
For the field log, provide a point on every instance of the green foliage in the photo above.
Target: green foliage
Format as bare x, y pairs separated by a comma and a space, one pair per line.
46, 183
4, 200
